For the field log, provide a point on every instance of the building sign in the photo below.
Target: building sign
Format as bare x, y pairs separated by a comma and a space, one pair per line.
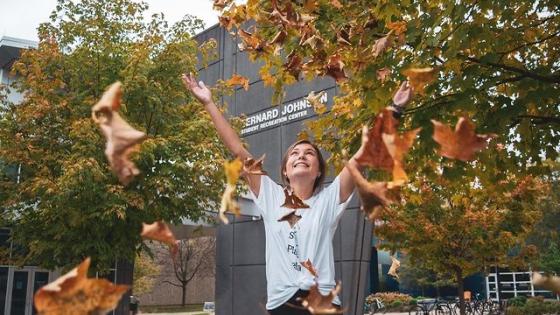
272, 117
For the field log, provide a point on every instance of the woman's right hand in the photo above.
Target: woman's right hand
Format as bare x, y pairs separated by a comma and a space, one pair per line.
199, 90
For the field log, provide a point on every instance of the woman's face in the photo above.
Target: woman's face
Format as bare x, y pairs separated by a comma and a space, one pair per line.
302, 162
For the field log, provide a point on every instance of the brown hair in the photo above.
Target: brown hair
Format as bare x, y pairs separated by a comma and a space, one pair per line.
322, 164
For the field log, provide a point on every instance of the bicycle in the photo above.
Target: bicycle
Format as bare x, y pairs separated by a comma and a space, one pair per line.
375, 307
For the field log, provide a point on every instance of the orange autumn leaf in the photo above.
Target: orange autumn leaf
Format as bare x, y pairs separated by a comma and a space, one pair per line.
376, 154
461, 144
316, 303
309, 266
292, 201
221, 4
159, 231
395, 265
237, 79
291, 217
254, 167
551, 283
374, 196
250, 42
398, 145
383, 73
75, 293
336, 4
233, 171
122, 139
419, 78
398, 27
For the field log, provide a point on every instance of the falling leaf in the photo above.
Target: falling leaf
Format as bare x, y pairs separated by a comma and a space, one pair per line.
419, 78
398, 145
292, 201
315, 101
376, 154
291, 217
122, 139
237, 79
383, 73
233, 171
551, 283
159, 231
293, 64
343, 38
381, 45
374, 196
461, 144
335, 69
316, 303
395, 265
309, 266
254, 167
75, 293
336, 4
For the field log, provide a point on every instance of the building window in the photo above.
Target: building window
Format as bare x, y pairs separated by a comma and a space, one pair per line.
514, 284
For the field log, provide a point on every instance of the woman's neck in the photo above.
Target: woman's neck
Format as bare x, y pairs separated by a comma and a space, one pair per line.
303, 190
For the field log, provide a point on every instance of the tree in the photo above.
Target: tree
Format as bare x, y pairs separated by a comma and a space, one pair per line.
145, 273
460, 224
67, 204
415, 275
495, 61
195, 257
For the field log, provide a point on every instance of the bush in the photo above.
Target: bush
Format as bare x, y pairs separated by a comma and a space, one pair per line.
392, 300
534, 306
517, 301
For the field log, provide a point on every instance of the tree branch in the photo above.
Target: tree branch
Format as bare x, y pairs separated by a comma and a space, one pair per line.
530, 43
545, 78
169, 282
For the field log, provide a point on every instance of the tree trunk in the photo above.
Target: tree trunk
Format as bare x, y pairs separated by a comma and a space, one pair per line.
184, 297
460, 290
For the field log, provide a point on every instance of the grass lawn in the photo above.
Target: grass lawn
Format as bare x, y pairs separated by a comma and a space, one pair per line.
171, 308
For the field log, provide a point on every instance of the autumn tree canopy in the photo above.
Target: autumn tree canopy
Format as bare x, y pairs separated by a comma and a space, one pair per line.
67, 204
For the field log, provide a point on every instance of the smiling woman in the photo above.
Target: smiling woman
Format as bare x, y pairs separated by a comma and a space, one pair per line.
300, 219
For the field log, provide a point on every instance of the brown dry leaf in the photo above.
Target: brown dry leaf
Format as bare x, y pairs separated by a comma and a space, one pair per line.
419, 78
374, 196
293, 64
233, 171
310, 5
122, 139
376, 154
159, 231
461, 144
381, 45
395, 265
315, 101
279, 38
254, 167
221, 4
309, 266
397, 146
74, 293
551, 283
335, 68
237, 79
383, 73
291, 217
316, 303
292, 201
250, 41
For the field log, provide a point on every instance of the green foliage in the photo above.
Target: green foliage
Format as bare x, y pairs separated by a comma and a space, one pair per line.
68, 205
517, 301
145, 272
535, 306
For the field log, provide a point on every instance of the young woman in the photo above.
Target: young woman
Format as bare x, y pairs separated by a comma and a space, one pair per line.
294, 236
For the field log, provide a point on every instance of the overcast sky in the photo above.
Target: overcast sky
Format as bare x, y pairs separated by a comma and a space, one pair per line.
20, 18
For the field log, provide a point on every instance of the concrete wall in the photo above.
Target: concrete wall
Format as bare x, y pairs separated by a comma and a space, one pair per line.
240, 249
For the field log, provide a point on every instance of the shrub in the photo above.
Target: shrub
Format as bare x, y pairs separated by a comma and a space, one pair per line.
534, 306
388, 298
517, 301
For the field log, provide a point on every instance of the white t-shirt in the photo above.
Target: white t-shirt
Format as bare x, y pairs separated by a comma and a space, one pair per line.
310, 238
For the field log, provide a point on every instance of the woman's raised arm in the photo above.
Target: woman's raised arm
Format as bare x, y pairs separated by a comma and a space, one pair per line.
229, 137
